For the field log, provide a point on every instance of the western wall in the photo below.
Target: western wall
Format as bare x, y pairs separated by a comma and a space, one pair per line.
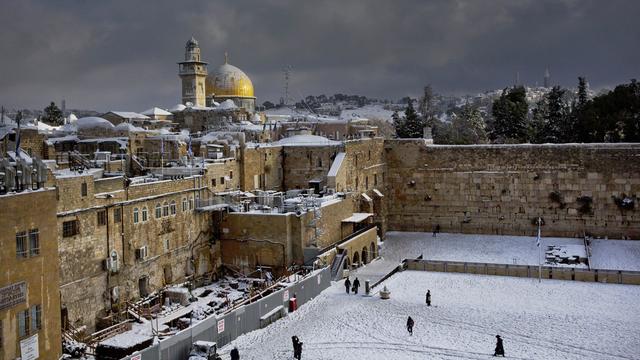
503, 189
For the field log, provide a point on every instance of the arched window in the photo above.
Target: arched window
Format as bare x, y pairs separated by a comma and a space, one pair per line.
173, 207
145, 215
185, 204
165, 209
135, 216
158, 211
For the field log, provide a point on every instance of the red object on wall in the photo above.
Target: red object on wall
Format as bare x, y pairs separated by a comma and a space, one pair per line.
293, 304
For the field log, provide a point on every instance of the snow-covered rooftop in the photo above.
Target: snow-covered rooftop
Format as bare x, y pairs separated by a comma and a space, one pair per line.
93, 122
177, 108
306, 140
130, 115
155, 111
227, 105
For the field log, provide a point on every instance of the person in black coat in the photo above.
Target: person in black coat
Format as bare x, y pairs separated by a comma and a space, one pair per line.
356, 285
297, 347
499, 347
410, 325
235, 355
347, 285
428, 299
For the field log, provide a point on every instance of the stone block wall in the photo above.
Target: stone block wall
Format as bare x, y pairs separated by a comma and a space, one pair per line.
39, 270
502, 189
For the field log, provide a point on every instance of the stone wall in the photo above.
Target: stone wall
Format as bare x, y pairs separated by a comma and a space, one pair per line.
39, 270
302, 164
178, 242
262, 167
502, 189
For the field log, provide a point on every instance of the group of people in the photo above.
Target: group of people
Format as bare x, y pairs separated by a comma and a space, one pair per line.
352, 287
410, 323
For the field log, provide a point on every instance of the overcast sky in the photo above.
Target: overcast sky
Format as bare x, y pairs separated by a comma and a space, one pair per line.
121, 55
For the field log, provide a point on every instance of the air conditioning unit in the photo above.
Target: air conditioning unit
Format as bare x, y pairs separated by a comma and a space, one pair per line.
111, 265
142, 253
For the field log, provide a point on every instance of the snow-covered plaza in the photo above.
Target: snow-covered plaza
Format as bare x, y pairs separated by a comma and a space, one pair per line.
553, 319
549, 320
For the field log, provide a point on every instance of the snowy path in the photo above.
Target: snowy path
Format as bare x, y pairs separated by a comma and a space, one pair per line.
552, 320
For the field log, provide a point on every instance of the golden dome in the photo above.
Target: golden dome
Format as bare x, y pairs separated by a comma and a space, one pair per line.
229, 81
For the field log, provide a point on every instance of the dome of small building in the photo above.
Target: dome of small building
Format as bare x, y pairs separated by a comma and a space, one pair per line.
228, 80
93, 122
192, 42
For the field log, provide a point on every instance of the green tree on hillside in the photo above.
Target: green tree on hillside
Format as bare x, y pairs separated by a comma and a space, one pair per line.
509, 112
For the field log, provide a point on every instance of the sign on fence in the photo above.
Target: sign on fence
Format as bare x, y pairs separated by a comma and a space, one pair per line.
285, 295
220, 326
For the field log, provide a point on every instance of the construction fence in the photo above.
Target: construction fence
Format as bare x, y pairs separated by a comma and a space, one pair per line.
530, 271
225, 328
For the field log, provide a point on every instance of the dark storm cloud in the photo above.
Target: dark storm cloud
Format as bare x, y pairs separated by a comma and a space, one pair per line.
122, 54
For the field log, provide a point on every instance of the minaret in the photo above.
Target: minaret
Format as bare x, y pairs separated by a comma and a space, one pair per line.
193, 73
547, 78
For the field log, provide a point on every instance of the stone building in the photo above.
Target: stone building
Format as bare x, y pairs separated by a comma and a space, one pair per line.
119, 241
29, 291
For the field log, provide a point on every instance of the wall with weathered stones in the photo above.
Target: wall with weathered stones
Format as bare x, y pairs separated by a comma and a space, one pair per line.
302, 164
502, 189
178, 242
38, 269
262, 167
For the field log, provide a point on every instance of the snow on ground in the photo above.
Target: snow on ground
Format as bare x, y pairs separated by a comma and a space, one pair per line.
615, 254
549, 320
522, 250
375, 111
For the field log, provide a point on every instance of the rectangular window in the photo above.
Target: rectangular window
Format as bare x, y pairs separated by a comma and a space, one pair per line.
222, 180
83, 189
213, 182
230, 174
23, 323
102, 217
190, 203
375, 179
70, 228
34, 242
136, 216
21, 245
117, 215
184, 201
36, 318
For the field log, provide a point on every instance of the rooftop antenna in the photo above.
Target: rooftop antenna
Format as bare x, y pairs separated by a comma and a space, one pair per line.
517, 78
287, 75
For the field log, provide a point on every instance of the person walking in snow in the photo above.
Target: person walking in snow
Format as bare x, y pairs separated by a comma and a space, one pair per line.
235, 354
499, 347
356, 285
410, 325
347, 285
297, 347
428, 299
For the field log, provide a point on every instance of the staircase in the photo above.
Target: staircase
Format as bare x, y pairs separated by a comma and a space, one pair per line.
78, 161
337, 265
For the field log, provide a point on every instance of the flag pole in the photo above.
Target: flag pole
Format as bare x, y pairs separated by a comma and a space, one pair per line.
539, 253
